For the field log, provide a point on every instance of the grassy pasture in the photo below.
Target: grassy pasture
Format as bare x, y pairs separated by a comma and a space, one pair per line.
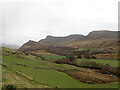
54, 78
111, 62
20, 80
52, 57
47, 77
44, 77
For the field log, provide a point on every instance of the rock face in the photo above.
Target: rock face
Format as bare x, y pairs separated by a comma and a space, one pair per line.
94, 39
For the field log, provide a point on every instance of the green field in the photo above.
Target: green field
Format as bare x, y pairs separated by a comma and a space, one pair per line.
46, 75
111, 62
52, 57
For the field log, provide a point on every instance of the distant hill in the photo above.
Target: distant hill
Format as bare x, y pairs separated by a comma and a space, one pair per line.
11, 46
103, 34
32, 45
95, 39
51, 40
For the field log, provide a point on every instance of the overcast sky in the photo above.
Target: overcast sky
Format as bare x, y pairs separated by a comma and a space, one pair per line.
24, 20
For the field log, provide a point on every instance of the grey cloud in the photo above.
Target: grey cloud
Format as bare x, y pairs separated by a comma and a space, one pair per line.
35, 19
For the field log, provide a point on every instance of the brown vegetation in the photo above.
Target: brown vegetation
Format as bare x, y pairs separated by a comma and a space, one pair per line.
107, 56
69, 60
105, 69
91, 76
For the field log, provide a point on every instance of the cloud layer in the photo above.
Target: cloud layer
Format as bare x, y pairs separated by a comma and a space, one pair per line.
35, 19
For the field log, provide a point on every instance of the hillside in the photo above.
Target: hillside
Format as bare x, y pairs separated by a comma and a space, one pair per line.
103, 34
31, 71
59, 41
98, 39
94, 35
94, 40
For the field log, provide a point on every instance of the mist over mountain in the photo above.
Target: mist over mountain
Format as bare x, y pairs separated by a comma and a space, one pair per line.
11, 46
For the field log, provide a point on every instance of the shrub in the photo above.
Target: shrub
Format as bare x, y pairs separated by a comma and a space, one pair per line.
92, 65
105, 69
71, 58
10, 87
66, 61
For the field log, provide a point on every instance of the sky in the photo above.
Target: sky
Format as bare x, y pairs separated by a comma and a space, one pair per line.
24, 20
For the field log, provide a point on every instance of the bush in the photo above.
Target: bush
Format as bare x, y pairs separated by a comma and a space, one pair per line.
105, 69
92, 65
10, 87
66, 61
71, 58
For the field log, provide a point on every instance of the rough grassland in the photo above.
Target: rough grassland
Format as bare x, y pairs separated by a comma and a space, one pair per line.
20, 80
49, 77
44, 76
111, 62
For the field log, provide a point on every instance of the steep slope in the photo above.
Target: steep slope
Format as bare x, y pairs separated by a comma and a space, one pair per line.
51, 40
50, 44
95, 43
32, 46
95, 39
103, 34
94, 35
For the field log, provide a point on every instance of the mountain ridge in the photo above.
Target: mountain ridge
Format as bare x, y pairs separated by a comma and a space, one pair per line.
94, 39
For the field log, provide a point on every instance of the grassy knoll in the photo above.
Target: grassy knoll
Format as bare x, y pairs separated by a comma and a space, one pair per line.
111, 62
